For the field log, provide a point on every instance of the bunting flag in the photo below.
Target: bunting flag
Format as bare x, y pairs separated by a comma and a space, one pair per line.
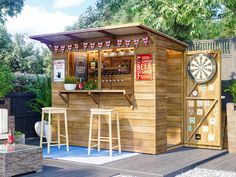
50, 47
92, 45
136, 42
56, 48
100, 44
119, 42
108, 44
76, 46
62, 47
69, 47
85, 45
127, 43
145, 41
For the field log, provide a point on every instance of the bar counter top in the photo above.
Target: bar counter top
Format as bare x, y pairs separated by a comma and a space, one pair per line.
64, 94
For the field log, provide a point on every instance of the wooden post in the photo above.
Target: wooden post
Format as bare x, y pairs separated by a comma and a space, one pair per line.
99, 70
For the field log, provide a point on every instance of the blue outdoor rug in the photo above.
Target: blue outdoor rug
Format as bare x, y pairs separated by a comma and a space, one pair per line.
80, 154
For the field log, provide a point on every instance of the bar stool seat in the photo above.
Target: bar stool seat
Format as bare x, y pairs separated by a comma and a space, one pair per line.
58, 111
99, 112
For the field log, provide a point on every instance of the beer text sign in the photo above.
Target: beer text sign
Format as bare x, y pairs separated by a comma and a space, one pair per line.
144, 67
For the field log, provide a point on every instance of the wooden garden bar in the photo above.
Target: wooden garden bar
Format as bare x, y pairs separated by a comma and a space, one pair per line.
137, 70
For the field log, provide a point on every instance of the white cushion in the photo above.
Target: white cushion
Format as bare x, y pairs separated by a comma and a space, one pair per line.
3, 121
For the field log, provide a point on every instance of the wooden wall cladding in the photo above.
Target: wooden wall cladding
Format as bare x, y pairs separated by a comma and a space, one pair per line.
175, 98
137, 126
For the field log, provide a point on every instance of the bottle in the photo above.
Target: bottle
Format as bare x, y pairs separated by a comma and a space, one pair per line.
81, 84
10, 137
93, 64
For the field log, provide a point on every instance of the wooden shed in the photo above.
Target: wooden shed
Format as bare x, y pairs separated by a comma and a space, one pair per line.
137, 70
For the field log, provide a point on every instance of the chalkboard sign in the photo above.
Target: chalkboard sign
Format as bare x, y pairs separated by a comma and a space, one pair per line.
81, 65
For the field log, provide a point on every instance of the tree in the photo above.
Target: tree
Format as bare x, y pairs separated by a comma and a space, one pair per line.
184, 20
24, 57
6, 78
10, 8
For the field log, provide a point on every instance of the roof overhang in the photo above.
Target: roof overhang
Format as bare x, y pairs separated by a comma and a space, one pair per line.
100, 32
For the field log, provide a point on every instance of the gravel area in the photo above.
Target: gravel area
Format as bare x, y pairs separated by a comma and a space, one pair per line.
201, 172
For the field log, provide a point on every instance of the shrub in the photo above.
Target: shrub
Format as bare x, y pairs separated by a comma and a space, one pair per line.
43, 93
6, 80
22, 80
231, 89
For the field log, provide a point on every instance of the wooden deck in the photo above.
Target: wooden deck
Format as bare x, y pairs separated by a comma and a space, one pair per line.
143, 165
224, 163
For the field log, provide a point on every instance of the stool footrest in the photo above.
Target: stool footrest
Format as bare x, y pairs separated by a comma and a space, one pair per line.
104, 139
95, 145
45, 142
52, 143
57, 145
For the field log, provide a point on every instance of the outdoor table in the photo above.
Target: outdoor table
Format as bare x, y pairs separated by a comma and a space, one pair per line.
19, 159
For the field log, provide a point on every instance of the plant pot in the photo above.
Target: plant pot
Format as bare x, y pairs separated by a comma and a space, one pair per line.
37, 128
70, 86
20, 139
231, 127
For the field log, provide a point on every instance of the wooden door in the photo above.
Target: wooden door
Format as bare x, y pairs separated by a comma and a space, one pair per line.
202, 122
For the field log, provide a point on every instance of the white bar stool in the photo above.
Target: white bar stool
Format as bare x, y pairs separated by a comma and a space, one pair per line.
50, 111
99, 112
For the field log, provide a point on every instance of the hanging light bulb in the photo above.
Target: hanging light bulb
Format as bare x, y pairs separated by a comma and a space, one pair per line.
105, 54
113, 53
121, 53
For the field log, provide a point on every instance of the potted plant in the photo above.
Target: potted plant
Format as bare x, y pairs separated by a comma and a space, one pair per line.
6, 85
231, 117
90, 85
19, 137
70, 83
42, 91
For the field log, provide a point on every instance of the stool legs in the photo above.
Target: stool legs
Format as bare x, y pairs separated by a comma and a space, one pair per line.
66, 129
99, 132
58, 132
110, 134
90, 133
41, 133
49, 131
118, 131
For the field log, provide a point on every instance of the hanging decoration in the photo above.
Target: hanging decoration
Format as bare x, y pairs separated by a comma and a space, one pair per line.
50, 47
127, 43
119, 42
56, 48
69, 47
145, 41
62, 47
100, 44
76, 46
85, 45
92, 45
136, 42
108, 44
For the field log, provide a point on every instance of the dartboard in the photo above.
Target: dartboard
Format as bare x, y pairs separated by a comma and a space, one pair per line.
202, 68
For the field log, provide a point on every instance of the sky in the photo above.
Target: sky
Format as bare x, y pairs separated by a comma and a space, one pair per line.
47, 16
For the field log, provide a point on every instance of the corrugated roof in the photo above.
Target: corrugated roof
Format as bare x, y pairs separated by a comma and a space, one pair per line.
107, 31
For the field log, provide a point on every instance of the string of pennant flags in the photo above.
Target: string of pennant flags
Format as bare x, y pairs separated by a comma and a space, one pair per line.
100, 45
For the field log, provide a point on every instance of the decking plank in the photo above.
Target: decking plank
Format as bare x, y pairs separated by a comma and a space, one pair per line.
225, 163
143, 165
